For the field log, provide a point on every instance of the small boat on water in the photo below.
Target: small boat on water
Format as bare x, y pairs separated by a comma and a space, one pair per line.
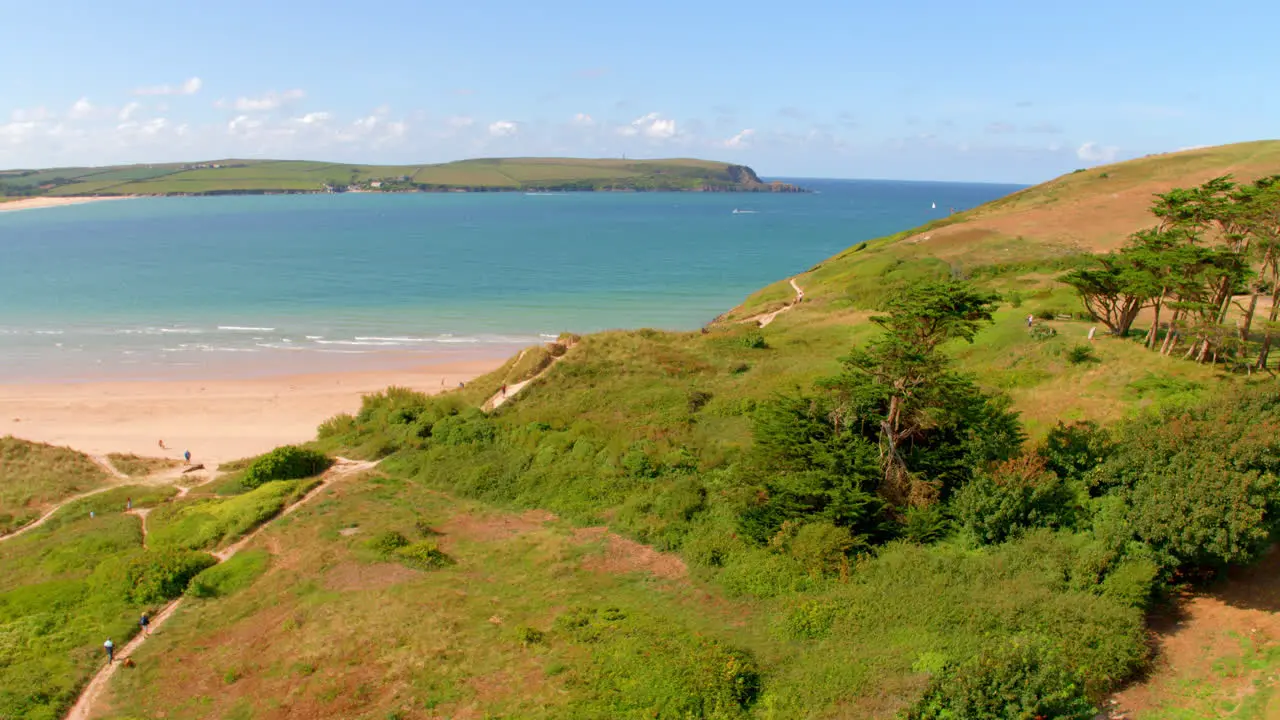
934, 206
736, 211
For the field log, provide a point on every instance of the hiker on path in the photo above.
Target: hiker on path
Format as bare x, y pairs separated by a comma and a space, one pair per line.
128, 504
111, 650
504, 391
90, 514
186, 455
145, 623
1031, 320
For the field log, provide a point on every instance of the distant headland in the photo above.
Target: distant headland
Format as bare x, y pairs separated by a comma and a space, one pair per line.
260, 177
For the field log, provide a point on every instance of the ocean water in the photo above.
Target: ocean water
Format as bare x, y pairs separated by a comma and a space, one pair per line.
189, 287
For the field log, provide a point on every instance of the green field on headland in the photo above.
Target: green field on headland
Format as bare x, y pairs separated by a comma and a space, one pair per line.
482, 175
1011, 465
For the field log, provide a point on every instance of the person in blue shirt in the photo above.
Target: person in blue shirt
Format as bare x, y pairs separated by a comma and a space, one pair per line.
111, 650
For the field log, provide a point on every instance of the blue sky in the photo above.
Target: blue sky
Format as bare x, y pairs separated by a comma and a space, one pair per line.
989, 91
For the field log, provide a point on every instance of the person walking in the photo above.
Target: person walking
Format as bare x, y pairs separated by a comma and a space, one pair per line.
186, 455
111, 650
504, 391
1092, 330
128, 504
145, 623
1031, 320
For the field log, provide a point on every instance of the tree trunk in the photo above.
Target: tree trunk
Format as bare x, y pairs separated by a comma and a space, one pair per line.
1172, 338
1155, 322
1265, 350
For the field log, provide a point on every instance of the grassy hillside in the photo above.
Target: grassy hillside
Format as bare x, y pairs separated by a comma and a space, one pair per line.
271, 176
35, 476
698, 525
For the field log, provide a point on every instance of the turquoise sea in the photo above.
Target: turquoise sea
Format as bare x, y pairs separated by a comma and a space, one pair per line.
189, 287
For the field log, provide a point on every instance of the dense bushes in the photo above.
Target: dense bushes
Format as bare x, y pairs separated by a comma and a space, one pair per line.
1020, 680
160, 575
1015, 496
284, 463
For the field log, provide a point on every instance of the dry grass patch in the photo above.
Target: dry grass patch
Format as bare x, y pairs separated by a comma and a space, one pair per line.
136, 466
35, 476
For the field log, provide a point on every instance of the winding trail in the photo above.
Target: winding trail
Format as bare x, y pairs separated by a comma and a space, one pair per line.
83, 709
764, 319
118, 480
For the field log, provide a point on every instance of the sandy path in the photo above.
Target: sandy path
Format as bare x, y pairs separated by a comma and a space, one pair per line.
217, 420
83, 709
766, 318
36, 203
500, 398
120, 480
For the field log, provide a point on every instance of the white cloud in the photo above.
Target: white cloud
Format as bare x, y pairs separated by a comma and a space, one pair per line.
35, 114
460, 121
313, 118
1095, 153
270, 101
741, 140
127, 111
154, 125
652, 125
242, 124
81, 109
503, 128
583, 120
190, 87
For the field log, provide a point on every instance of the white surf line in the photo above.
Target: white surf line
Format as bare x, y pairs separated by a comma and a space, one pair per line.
83, 709
766, 318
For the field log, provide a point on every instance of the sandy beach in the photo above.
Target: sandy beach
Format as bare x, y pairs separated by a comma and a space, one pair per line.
36, 203
217, 420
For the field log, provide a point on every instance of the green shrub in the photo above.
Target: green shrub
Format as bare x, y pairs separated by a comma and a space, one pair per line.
231, 576
925, 524
1021, 680
820, 547
422, 555
1200, 487
1043, 332
753, 341
1018, 495
530, 636
285, 463
808, 620
157, 576
388, 542
1081, 353
1071, 451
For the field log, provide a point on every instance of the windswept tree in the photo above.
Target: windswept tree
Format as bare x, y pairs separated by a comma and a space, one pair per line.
1116, 290
902, 391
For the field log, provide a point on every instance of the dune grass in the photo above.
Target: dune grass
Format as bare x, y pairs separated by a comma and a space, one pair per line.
534, 619
205, 524
64, 589
35, 476
136, 466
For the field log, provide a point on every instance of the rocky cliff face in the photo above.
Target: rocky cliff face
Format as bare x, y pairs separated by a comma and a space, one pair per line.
747, 178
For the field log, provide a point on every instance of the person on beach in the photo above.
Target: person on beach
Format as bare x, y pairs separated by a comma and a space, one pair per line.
145, 623
162, 447
111, 650
186, 455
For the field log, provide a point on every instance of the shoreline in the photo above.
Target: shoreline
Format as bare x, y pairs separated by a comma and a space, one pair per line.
44, 201
217, 420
